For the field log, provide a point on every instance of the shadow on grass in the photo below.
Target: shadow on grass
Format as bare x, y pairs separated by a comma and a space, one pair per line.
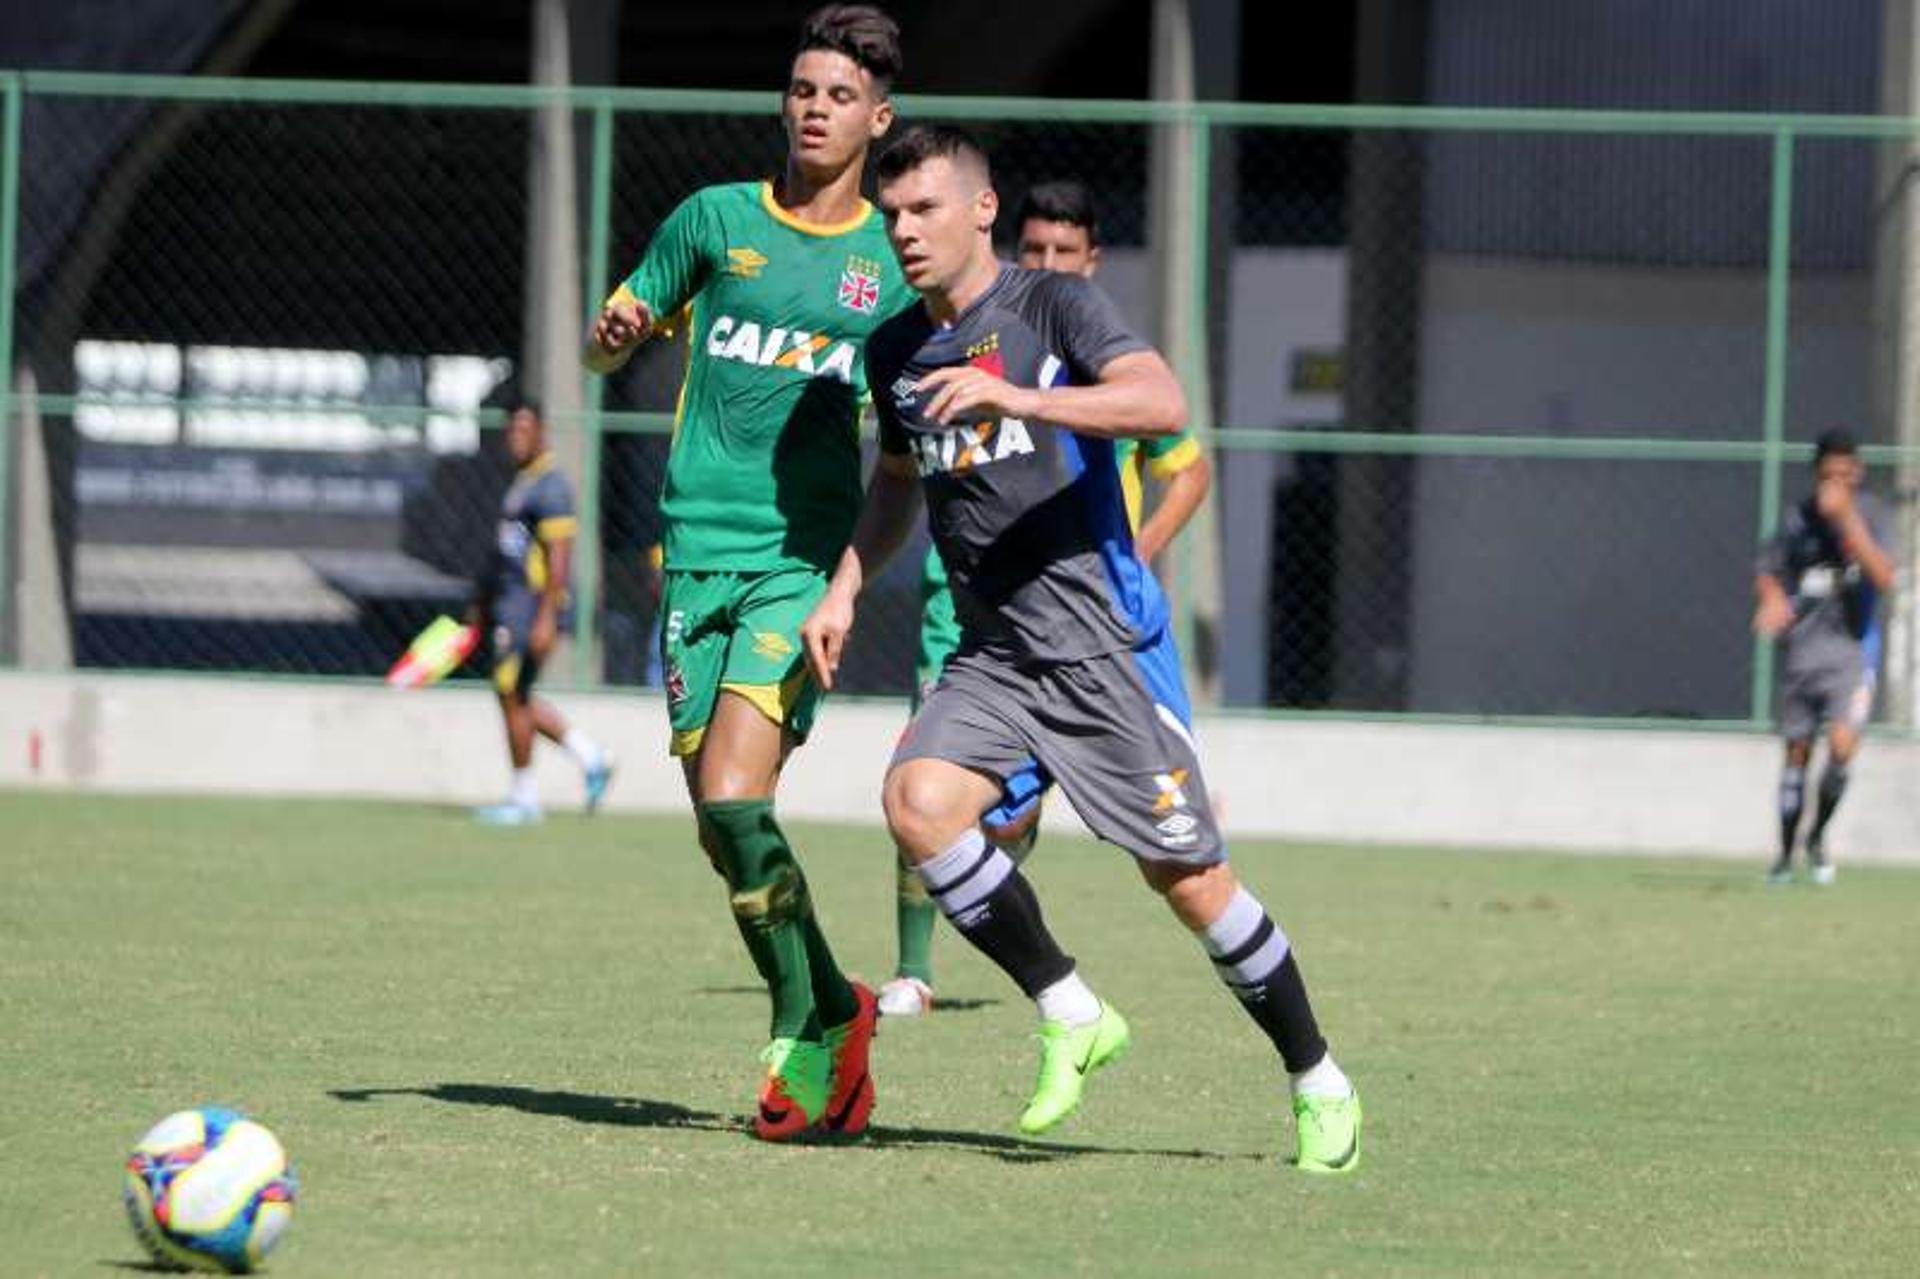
640, 1112
142, 1267
942, 1005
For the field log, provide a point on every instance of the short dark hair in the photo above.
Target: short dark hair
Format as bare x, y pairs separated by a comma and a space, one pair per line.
860, 31
1834, 442
1062, 201
924, 142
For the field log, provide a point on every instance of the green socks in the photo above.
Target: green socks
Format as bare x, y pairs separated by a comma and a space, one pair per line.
914, 914
775, 917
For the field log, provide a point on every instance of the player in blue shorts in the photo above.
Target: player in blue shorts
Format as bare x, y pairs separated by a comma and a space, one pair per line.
522, 607
1000, 396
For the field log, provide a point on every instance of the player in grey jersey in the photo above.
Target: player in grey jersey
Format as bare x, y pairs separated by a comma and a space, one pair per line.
1001, 397
1819, 587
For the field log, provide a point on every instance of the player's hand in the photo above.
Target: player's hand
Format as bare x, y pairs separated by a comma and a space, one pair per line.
965, 393
540, 638
1833, 499
824, 634
622, 323
1773, 617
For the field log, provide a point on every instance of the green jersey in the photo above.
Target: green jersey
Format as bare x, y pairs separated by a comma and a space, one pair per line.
764, 472
1162, 457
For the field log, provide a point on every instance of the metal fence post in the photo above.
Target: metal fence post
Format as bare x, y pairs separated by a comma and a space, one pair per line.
587, 669
1197, 586
1774, 408
9, 237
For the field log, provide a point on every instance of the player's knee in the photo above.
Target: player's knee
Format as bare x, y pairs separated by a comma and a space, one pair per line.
1196, 894
924, 811
1799, 752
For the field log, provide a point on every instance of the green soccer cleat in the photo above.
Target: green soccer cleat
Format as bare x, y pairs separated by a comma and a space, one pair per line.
1068, 1054
1329, 1132
794, 1094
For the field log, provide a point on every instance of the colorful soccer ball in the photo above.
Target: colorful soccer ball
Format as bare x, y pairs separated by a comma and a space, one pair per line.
209, 1189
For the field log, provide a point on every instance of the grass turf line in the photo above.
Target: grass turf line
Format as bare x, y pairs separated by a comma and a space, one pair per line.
524, 1052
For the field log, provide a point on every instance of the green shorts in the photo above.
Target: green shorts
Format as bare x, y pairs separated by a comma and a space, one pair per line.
741, 632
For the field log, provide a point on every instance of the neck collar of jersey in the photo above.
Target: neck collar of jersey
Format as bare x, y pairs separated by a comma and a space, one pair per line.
1001, 271
800, 224
542, 461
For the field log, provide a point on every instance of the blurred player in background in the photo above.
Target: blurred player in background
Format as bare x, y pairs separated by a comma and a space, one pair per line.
1059, 230
522, 608
1000, 396
778, 283
1819, 587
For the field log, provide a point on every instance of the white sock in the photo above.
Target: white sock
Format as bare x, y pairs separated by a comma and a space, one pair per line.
1069, 1000
523, 792
1323, 1080
584, 750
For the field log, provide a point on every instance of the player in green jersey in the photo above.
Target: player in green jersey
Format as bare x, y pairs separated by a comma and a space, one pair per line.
1059, 231
777, 285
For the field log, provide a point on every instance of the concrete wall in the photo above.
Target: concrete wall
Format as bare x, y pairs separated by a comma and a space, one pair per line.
1581, 790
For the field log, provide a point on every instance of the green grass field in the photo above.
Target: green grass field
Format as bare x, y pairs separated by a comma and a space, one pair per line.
496, 1052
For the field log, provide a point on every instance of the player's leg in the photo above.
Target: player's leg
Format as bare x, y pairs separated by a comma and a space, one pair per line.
1128, 761
909, 992
1793, 800
765, 675
1011, 825
1800, 712
1852, 702
514, 671
946, 772
731, 757
1253, 957
733, 785
595, 766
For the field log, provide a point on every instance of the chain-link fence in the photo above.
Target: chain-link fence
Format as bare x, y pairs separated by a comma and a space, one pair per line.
1505, 400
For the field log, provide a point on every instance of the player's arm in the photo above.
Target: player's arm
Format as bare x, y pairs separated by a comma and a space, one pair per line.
1857, 541
886, 517
1773, 611
1186, 488
1134, 394
673, 269
556, 534
623, 324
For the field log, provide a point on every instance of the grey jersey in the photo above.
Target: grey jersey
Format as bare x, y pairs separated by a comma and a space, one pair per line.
1028, 517
1836, 610
537, 509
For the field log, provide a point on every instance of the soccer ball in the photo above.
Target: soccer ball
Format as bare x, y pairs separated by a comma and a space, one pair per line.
209, 1189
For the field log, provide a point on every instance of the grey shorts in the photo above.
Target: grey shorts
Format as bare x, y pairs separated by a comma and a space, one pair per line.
1822, 695
1112, 730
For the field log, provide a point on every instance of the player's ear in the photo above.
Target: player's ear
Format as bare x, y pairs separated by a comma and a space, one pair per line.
882, 120
986, 208
1093, 262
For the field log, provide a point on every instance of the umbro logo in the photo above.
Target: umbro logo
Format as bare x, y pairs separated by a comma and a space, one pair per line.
745, 263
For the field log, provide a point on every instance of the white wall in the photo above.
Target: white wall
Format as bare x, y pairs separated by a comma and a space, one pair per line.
1580, 790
